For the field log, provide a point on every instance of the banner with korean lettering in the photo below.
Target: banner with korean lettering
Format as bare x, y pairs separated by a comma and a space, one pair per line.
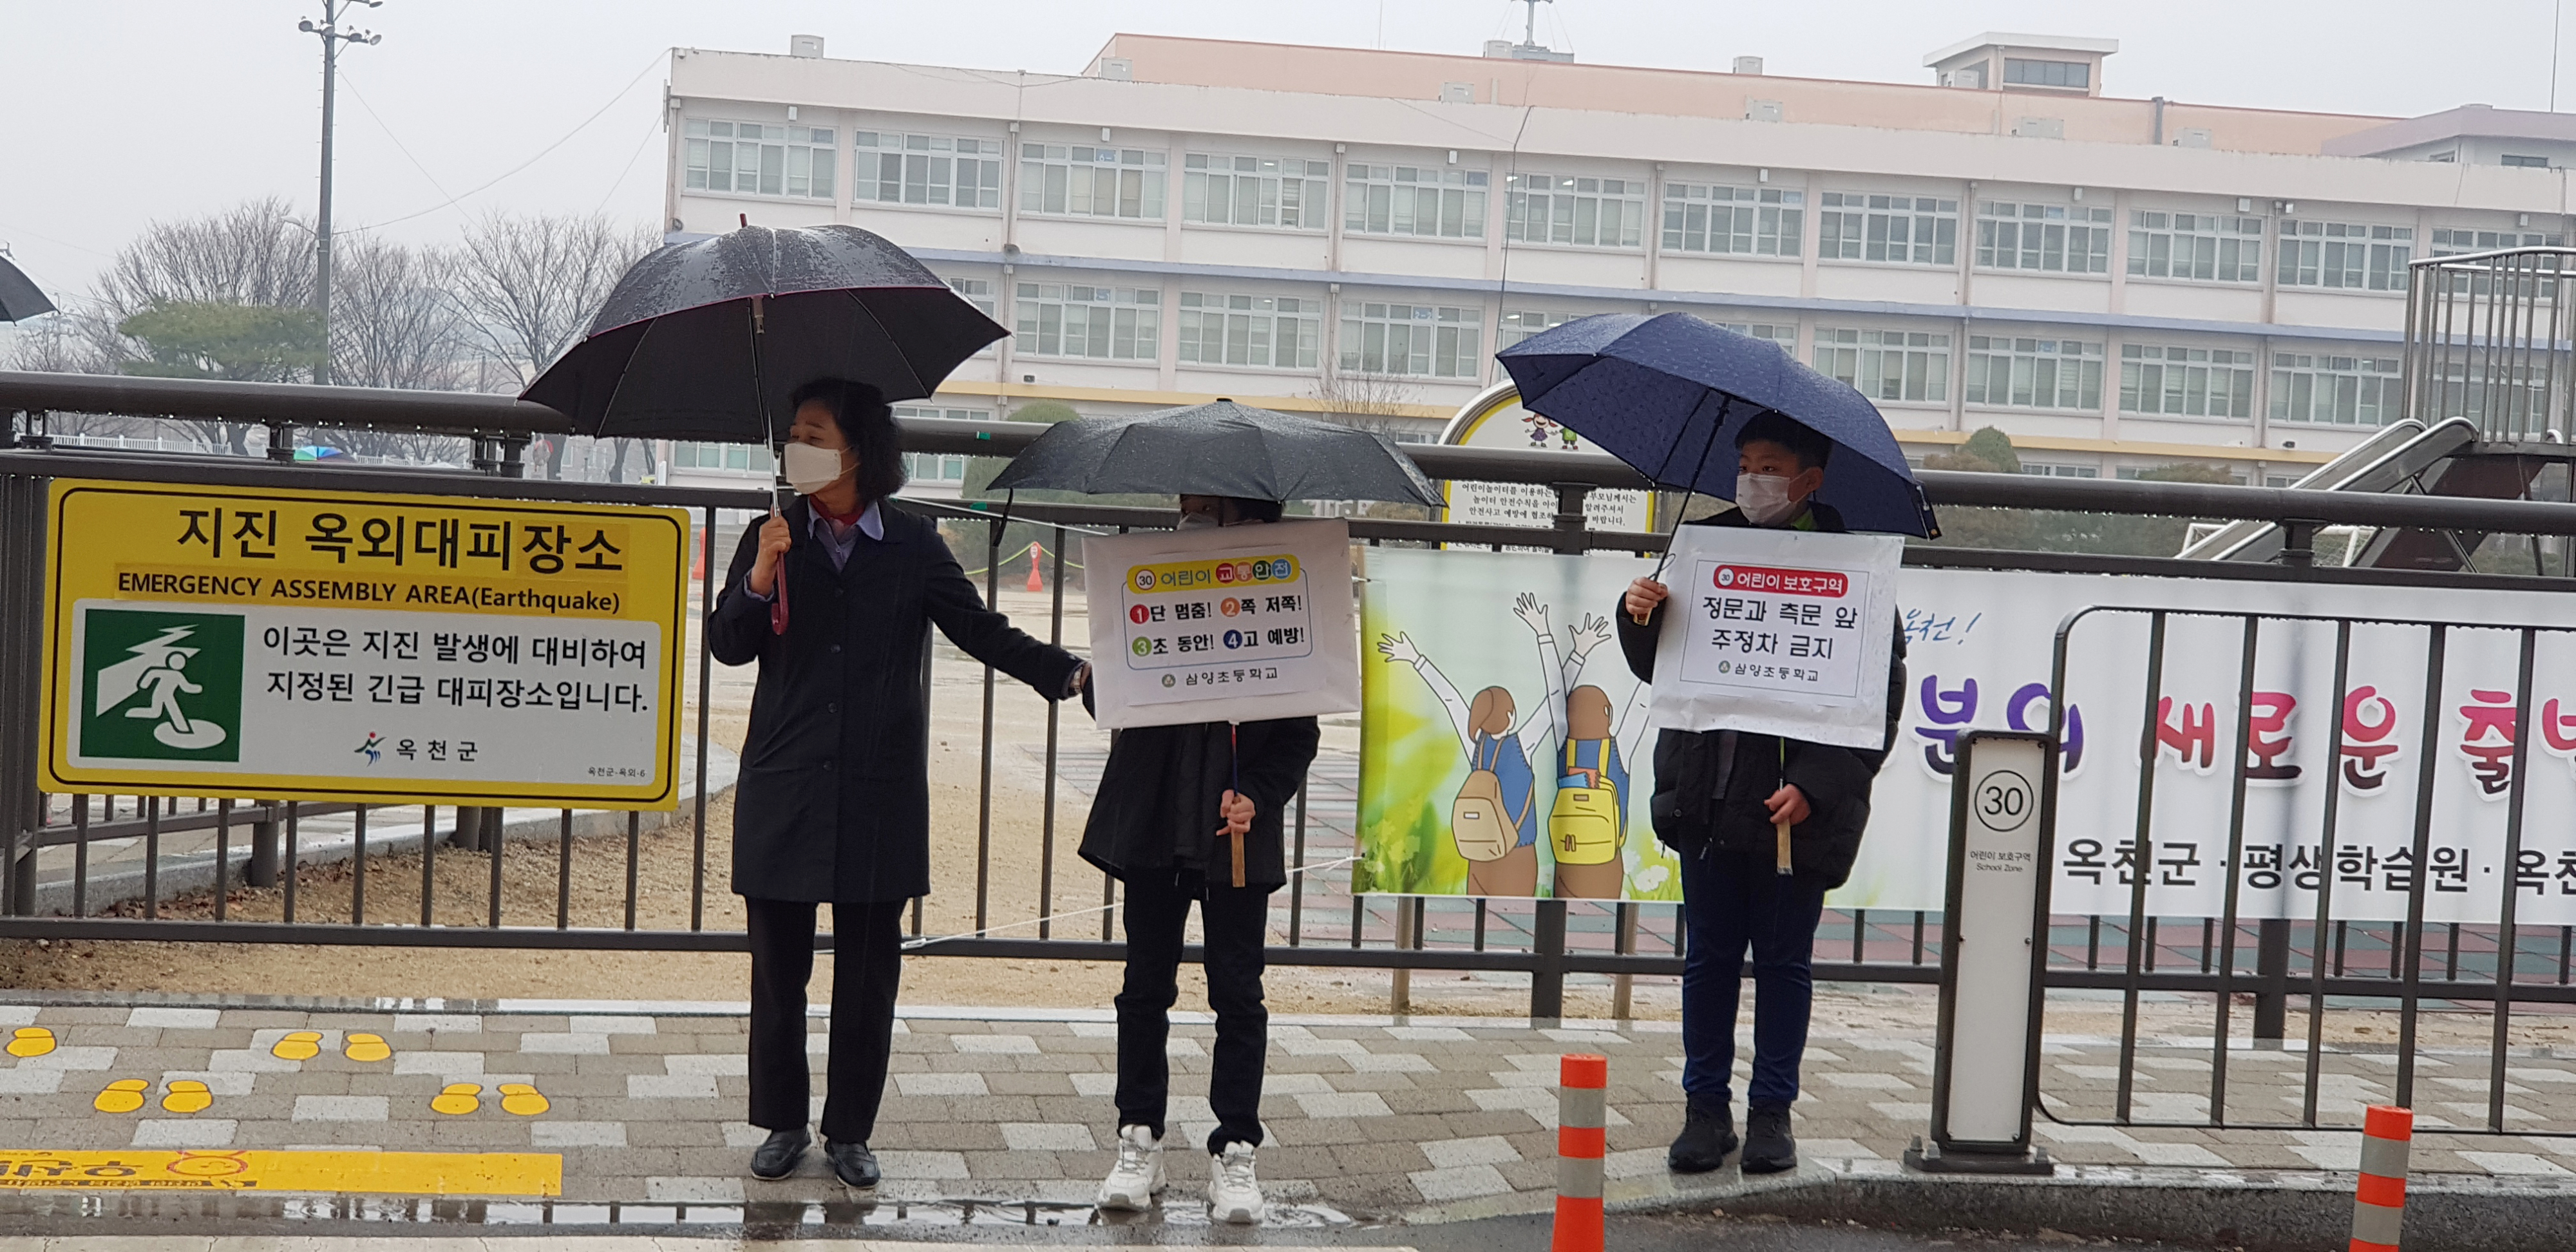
1979, 648
1778, 632
342, 645
1235, 623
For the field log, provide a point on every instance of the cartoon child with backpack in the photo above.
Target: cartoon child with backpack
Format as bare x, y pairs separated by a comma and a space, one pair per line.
1494, 820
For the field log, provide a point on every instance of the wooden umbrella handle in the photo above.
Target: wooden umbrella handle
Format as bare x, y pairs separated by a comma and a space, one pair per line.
1783, 829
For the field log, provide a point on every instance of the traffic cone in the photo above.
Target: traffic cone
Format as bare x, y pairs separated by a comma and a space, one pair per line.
1037, 554
2379, 1203
698, 561
1579, 1149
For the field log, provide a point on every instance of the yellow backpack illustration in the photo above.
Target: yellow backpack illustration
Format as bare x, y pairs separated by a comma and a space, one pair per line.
1583, 827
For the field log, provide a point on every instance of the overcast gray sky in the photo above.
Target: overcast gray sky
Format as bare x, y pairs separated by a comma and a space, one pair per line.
114, 114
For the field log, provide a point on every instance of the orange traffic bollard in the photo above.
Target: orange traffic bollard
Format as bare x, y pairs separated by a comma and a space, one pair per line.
1579, 1148
1036, 555
2379, 1204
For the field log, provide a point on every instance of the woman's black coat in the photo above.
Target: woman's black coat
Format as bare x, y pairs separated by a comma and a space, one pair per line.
1156, 809
834, 798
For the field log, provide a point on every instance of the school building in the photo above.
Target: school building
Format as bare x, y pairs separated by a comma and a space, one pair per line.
2118, 282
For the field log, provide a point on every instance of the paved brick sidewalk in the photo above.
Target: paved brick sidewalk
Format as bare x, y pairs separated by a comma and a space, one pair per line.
1367, 1116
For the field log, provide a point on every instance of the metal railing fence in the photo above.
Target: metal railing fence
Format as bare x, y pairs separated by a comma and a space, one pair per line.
1319, 923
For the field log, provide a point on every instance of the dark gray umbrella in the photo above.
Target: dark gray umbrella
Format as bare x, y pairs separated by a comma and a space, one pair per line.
706, 340
19, 299
1219, 449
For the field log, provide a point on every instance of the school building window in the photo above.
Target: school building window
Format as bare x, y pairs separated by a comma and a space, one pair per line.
1091, 182
2186, 382
927, 169
1520, 324
2052, 238
2034, 373
751, 158
1782, 333
2203, 247
1586, 212
1432, 341
1276, 332
1886, 364
937, 467
1414, 200
739, 457
1906, 230
2337, 390
1733, 221
1255, 191
2345, 255
2035, 73
1104, 323
2045, 469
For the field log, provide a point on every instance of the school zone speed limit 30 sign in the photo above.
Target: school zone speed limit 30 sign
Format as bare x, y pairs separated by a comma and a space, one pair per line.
297, 644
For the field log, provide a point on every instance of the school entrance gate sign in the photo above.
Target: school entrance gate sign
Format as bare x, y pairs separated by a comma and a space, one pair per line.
333, 645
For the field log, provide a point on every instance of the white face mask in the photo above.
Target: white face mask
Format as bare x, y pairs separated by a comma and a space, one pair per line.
1764, 499
1197, 521
811, 469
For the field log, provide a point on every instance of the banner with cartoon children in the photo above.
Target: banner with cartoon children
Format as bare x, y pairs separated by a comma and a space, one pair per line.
1506, 750
1504, 746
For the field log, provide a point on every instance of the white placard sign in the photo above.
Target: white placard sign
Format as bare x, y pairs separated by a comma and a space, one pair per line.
1239, 623
1778, 632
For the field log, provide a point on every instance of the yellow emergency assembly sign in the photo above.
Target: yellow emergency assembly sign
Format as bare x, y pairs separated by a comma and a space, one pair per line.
319, 645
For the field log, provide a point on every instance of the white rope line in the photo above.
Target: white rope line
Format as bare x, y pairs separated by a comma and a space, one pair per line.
923, 941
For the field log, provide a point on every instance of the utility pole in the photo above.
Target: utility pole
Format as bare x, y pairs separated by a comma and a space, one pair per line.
332, 37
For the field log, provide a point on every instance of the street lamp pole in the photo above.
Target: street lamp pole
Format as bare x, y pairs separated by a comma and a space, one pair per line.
332, 37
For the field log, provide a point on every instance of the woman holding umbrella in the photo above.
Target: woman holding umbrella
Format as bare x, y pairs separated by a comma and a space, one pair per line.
834, 596
834, 800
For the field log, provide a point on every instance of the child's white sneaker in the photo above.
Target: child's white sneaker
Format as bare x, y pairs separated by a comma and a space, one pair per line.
1234, 1195
1138, 1176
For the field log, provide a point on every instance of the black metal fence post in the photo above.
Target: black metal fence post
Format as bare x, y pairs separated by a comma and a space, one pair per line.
1547, 977
2271, 980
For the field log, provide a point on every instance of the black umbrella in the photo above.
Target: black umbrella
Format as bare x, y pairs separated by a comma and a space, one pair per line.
1219, 449
706, 340
19, 299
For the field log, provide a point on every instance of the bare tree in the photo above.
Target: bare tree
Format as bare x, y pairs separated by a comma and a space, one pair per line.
66, 342
394, 320
256, 253
530, 284
1380, 404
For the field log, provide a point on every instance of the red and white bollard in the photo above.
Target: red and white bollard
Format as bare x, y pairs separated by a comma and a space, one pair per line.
1037, 554
1580, 1115
2379, 1204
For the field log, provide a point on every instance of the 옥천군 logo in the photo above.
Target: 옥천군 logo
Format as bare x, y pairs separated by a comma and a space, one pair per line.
161, 686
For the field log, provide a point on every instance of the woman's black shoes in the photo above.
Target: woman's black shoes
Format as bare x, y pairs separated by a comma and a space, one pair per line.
853, 1164
1768, 1146
777, 1155
1708, 1135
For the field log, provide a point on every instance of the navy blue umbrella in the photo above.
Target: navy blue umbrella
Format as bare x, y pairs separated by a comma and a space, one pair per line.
1667, 393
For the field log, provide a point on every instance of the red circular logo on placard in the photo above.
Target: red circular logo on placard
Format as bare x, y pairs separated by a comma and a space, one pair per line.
1137, 615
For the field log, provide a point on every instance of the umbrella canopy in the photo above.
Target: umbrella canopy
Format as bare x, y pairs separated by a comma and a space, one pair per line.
706, 340
1667, 393
19, 299
1219, 449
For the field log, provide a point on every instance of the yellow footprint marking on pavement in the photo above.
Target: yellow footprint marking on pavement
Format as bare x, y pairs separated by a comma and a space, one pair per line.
457, 1099
122, 1096
302, 1045
366, 1047
522, 1099
31, 1041
187, 1095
